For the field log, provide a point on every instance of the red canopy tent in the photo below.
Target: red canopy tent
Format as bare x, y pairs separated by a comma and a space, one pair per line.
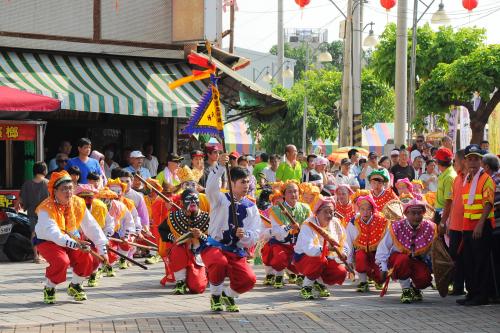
17, 100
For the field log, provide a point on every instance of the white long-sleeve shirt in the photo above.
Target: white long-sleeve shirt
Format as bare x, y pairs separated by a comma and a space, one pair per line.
47, 229
386, 246
220, 219
311, 244
127, 222
141, 215
384, 250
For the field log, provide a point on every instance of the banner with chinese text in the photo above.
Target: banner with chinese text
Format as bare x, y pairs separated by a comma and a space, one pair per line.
17, 132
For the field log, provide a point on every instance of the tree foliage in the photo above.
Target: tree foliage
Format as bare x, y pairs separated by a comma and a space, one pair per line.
455, 83
323, 89
335, 48
433, 47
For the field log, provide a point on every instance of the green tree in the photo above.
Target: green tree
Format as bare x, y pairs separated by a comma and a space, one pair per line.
455, 83
433, 47
323, 89
335, 48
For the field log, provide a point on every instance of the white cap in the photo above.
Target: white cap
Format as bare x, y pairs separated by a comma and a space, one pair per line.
136, 154
394, 152
250, 158
320, 161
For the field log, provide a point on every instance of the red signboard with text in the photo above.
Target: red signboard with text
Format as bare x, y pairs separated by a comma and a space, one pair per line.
17, 132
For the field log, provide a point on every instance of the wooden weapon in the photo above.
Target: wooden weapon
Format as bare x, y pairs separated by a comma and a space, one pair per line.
133, 244
294, 223
333, 243
161, 195
153, 244
386, 282
86, 248
148, 235
127, 258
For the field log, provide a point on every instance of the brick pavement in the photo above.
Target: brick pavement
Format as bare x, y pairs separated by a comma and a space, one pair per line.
135, 302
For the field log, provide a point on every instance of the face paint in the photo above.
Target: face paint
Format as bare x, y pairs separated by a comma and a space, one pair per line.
191, 200
189, 185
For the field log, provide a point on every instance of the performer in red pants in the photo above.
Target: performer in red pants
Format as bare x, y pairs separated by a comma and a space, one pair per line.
225, 251
313, 257
186, 265
364, 233
61, 219
405, 249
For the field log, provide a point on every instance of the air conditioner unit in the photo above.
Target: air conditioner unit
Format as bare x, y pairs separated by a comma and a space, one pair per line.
315, 39
294, 39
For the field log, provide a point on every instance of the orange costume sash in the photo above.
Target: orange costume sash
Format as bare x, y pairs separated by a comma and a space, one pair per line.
347, 211
384, 198
370, 235
69, 217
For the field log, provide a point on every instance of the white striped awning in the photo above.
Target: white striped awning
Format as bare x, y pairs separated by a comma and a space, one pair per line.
103, 84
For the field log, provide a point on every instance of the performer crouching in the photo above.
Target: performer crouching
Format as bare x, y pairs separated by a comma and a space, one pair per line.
404, 250
364, 233
225, 251
314, 256
278, 251
60, 218
184, 262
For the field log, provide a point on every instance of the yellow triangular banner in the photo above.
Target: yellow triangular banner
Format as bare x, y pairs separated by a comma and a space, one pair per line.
212, 116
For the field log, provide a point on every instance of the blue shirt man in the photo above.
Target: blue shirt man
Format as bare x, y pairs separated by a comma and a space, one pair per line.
83, 161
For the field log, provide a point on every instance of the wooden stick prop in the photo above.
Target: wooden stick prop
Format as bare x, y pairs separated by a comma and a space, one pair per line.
133, 244
386, 283
288, 215
127, 258
334, 245
153, 244
86, 248
93, 253
148, 235
161, 195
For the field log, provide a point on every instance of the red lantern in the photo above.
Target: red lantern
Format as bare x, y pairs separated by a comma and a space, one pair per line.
469, 4
388, 4
302, 3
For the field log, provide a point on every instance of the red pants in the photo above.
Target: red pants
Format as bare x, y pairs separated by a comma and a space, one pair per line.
60, 258
180, 258
112, 257
328, 270
365, 263
221, 264
278, 256
406, 267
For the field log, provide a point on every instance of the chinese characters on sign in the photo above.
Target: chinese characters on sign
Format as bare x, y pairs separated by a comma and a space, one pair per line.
4, 201
17, 132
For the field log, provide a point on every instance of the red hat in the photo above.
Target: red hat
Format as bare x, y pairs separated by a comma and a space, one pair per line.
444, 154
234, 154
210, 149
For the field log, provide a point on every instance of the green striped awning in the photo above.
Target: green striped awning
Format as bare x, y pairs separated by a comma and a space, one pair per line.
102, 84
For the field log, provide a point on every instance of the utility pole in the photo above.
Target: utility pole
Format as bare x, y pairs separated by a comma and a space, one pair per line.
413, 65
231, 28
304, 122
356, 74
346, 118
401, 72
281, 45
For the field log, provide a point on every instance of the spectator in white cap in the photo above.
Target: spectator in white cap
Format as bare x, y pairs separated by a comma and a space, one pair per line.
136, 160
344, 177
394, 157
320, 165
251, 163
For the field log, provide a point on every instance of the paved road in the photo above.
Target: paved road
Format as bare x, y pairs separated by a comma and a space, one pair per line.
134, 301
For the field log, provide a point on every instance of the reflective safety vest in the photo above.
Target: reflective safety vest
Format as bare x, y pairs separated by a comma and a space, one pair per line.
473, 212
